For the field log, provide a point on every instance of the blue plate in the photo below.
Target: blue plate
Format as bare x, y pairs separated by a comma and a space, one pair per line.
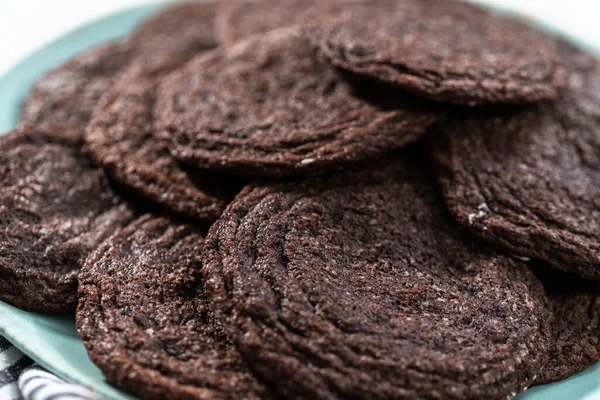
53, 341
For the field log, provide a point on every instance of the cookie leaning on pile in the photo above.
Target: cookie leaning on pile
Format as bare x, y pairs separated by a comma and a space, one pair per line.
308, 199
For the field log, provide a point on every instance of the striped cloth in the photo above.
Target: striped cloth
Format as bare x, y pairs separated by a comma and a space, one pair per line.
22, 379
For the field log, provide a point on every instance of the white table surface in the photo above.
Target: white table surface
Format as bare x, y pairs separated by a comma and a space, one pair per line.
26, 25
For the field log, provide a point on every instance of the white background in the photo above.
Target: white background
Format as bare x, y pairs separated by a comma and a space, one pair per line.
26, 25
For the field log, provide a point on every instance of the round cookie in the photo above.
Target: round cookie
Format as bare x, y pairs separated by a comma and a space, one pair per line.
120, 138
55, 208
525, 179
358, 285
270, 107
69, 94
120, 135
145, 320
446, 50
576, 305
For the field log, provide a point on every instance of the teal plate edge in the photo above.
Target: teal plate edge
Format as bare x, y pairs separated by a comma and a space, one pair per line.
52, 341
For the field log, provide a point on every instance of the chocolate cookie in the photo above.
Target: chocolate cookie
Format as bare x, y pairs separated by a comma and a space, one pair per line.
446, 50
576, 305
171, 36
55, 208
269, 106
145, 321
67, 95
120, 138
239, 19
358, 285
121, 134
525, 179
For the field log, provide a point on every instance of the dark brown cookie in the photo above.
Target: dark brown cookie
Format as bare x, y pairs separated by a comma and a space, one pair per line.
55, 208
358, 285
120, 135
269, 106
239, 19
145, 321
526, 179
576, 305
69, 94
170, 37
120, 138
445, 50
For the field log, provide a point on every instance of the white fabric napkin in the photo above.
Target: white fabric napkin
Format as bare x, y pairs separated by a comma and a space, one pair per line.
22, 379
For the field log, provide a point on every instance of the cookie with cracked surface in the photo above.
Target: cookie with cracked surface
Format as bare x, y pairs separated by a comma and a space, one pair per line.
359, 285
145, 321
576, 307
172, 35
55, 208
446, 50
525, 179
120, 137
270, 107
69, 94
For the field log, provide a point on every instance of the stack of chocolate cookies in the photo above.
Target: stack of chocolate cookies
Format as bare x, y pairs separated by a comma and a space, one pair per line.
384, 199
